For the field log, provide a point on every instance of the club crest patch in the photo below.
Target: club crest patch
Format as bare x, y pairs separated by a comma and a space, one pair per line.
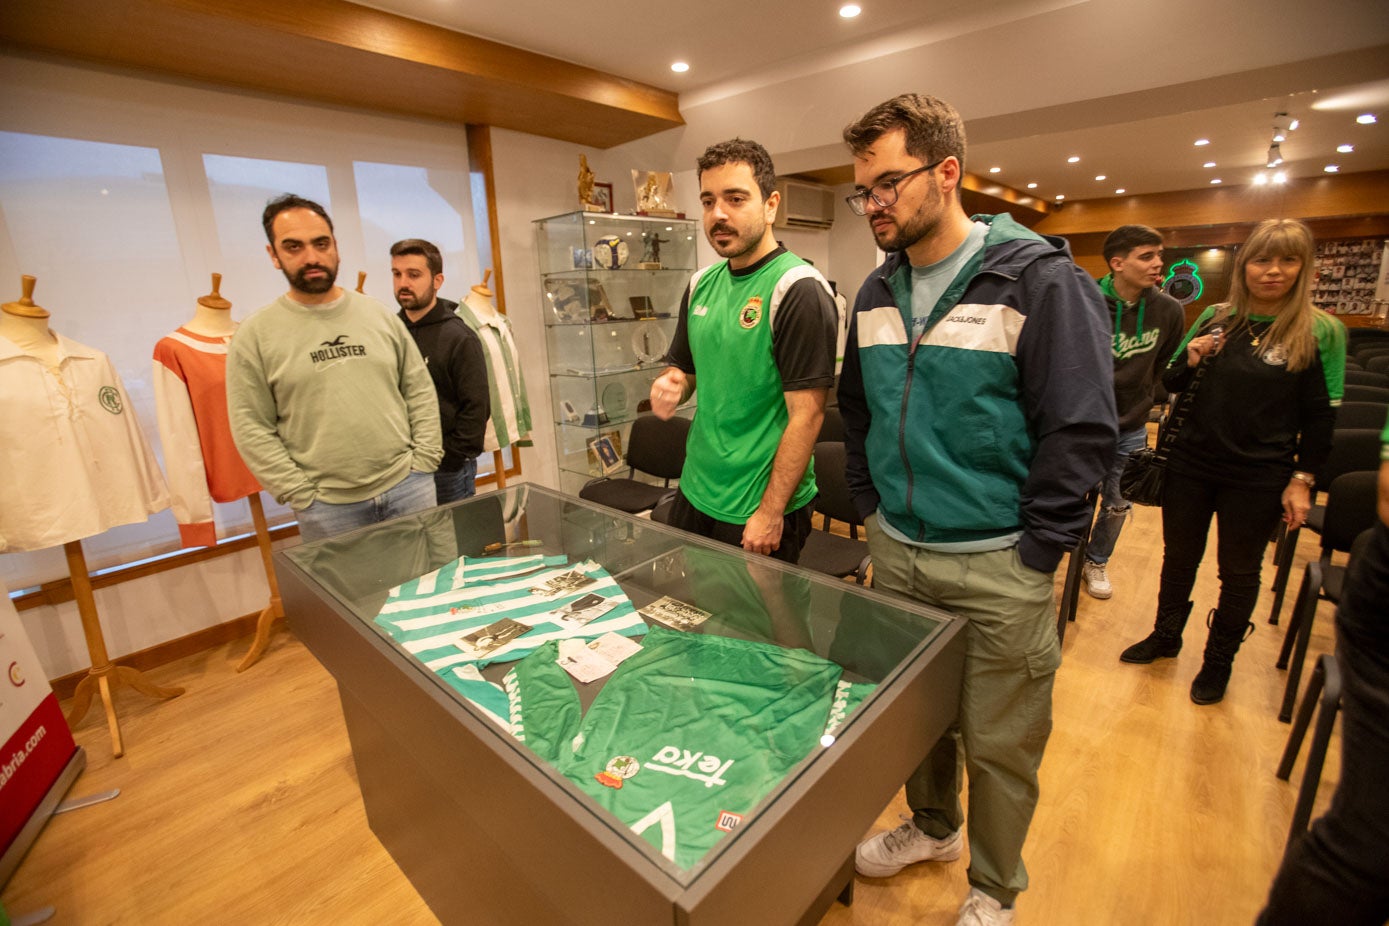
728, 821
751, 313
110, 400
619, 770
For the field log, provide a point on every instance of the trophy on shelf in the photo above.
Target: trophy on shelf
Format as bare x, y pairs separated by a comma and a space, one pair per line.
595, 416
651, 251
586, 181
653, 190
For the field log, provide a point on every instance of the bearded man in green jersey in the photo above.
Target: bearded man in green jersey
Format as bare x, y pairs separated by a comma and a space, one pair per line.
758, 331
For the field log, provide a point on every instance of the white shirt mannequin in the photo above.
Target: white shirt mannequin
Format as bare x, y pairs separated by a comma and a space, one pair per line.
26, 325
479, 299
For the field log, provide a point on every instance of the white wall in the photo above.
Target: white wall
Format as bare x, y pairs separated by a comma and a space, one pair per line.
132, 273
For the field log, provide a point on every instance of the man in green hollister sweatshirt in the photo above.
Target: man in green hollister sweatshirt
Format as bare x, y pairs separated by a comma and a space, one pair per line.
759, 330
330, 403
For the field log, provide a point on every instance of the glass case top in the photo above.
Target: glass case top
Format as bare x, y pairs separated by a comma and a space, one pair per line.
680, 685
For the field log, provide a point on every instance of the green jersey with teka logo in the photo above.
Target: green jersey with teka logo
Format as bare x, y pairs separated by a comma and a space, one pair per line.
688, 735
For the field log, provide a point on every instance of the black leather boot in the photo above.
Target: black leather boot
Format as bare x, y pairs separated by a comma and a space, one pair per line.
1166, 639
1224, 641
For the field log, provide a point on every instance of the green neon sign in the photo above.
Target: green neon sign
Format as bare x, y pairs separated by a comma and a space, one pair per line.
1184, 282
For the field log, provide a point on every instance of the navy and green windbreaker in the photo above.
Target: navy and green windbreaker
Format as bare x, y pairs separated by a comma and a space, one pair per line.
1000, 418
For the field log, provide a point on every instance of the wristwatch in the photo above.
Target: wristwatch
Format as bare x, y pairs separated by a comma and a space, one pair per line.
1307, 478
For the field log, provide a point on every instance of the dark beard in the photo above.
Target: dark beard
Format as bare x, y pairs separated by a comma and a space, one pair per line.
313, 287
408, 300
908, 234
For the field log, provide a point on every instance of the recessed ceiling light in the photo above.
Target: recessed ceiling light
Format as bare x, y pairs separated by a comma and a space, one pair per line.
1332, 168
994, 170
1292, 126
1099, 176
1208, 164
1345, 149
1120, 192
679, 67
1073, 159
1032, 185
1200, 142
850, 10
1366, 119
1060, 196
1280, 177
1216, 180
1260, 179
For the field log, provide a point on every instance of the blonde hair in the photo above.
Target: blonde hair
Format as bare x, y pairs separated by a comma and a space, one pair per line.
1294, 325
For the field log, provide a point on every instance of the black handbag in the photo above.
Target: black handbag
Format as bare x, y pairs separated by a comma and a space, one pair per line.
1144, 471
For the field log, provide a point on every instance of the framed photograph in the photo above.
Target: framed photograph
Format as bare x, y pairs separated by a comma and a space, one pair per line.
642, 307
603, 448
603, 196
581, 258
609, 460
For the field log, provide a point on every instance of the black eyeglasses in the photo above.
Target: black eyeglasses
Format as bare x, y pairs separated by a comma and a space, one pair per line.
884, 192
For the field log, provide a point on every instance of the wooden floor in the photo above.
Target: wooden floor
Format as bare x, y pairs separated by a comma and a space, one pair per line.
239, 802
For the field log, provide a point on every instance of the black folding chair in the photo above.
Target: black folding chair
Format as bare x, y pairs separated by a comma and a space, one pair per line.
1361, 415
655, 447
1350, 512
1075, 570
1323, 689
1366, 378
1352, 450
826, 552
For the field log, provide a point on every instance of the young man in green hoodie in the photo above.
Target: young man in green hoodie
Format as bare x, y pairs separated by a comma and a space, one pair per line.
1148, 326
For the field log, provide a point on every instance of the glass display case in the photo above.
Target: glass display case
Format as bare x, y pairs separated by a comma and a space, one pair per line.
759, 718
612, 286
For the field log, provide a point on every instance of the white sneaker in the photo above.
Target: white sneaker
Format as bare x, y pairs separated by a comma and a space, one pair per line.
979, 909
885, 854
1096, 580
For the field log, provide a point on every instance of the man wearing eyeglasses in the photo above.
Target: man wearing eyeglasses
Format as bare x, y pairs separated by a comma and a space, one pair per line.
978, 405
758, 328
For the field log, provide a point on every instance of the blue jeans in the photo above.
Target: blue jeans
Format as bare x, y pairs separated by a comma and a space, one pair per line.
1114, 510
323, 519
457, 484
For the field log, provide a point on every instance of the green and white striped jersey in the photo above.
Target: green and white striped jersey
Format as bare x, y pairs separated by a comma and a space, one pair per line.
427, 616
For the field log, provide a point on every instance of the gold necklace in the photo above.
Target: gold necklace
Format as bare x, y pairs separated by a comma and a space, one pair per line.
1254, 336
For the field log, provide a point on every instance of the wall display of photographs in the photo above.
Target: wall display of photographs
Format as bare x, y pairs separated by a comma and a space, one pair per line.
1347, 274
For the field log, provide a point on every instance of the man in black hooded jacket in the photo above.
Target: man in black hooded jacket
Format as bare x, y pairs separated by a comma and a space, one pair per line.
453, 355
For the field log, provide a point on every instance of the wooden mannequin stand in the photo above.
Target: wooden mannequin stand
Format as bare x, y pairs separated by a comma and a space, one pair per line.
266, 622
104, 675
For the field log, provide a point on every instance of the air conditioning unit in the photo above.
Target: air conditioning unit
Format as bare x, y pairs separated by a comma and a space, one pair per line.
804, 205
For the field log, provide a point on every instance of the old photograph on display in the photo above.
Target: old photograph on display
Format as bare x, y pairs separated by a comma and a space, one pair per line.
675, 613
570, 581
605, 460
487, 640
584, 609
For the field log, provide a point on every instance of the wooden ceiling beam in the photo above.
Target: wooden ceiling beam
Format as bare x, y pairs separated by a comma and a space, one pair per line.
337, 52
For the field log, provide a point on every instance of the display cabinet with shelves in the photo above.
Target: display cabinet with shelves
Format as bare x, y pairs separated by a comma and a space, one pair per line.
611, 286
